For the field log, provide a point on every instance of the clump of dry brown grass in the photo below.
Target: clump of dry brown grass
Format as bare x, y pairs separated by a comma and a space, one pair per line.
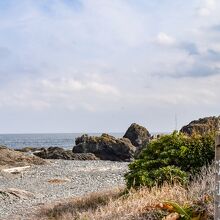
71, 208
58, 181
139, 204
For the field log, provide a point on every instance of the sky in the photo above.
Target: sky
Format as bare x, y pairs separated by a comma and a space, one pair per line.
98, 66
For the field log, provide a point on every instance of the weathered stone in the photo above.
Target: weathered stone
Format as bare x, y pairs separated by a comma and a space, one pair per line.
60, 153
138, 135
18, 193
201, 126
28, 149
106, 147
11, 158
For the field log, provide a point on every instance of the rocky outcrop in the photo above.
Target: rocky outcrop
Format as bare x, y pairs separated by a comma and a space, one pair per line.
11, 158
201, 126
28, 149
138, 135
106, 147
60, 153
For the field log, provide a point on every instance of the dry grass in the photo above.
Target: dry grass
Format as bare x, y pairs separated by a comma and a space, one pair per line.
144, 203
71, 208
58, 181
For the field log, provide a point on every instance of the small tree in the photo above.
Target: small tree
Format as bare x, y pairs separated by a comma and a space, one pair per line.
171, 158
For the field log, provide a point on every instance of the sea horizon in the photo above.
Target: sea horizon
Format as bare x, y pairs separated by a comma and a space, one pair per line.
39, 140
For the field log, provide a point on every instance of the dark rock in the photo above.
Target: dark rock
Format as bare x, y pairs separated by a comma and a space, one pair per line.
60, 153
84, 156
54, 153
106, 147
201, 126
81, 139
138, 135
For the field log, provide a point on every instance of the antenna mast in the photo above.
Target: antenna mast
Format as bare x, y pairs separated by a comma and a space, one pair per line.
176, 122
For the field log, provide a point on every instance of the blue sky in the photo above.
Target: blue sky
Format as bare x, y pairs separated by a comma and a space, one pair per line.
98, 66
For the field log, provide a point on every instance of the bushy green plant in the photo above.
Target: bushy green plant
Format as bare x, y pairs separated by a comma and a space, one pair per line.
171, 158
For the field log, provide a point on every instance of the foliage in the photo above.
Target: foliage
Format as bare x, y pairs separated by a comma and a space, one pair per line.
184, 212
187, 212
171, 158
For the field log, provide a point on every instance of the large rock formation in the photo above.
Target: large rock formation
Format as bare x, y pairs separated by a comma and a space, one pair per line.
60, 153
201, 126
12, 158
138, 135
106, 147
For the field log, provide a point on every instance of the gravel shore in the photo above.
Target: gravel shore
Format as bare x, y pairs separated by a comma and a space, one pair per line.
58, 180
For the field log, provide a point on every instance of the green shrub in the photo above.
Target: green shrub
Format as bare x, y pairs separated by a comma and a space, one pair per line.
171, 158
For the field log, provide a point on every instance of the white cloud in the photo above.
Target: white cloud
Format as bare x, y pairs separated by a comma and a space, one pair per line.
204, 11
165, 39
97, 95
71, 85
101, 59
207, 8
48, 93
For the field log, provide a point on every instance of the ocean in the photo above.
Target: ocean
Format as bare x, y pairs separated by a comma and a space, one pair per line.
43, 140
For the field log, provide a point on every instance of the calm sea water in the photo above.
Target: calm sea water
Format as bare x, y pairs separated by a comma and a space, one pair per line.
43, 140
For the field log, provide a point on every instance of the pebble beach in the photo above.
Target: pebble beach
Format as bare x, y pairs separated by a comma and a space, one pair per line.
58, 180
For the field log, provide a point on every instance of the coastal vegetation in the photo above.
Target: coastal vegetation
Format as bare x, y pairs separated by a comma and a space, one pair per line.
171, 158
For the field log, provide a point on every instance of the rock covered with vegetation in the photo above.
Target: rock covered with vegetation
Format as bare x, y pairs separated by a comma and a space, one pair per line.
171, 158
201, 126
106, 147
